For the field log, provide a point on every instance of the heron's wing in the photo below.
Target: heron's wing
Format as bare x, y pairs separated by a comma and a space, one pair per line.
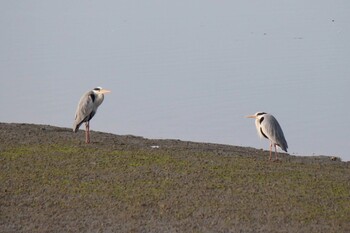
273, 131
84, 110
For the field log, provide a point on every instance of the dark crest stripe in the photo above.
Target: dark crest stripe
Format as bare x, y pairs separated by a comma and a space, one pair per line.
261, 119
93, 97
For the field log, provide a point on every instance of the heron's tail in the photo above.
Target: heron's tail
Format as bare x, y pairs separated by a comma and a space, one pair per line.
284, 146
76, 126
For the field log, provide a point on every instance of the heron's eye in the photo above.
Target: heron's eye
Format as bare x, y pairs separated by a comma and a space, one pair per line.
97, 89
260, 113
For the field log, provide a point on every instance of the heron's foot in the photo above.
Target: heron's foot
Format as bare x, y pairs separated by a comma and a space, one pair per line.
277, 160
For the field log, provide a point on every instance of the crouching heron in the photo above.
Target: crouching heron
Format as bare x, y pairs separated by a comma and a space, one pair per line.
268, 127
87, 108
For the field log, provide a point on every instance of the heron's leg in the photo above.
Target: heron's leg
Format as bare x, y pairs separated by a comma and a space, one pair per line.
87, 132
276, 154
270, 150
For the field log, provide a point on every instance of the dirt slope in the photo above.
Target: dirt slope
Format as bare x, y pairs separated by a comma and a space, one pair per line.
51, 181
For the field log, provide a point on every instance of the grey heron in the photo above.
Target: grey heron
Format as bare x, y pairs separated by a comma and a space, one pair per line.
268, 127
87, 108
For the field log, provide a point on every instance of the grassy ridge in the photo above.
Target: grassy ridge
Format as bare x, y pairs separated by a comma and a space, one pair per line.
67, 187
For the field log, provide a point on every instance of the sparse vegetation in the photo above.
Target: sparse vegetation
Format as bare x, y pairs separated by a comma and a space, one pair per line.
52, 182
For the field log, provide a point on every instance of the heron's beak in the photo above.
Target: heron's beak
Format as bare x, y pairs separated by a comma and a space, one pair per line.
251, 116
104, 91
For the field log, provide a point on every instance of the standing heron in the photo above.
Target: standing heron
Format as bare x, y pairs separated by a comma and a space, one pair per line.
87, 108
268, 127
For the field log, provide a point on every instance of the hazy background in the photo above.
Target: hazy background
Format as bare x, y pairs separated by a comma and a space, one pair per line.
188, 70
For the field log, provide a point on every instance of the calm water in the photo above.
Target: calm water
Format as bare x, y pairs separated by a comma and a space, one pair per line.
190, 71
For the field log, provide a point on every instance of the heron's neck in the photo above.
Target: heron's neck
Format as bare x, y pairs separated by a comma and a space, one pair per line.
99, 99
257, 125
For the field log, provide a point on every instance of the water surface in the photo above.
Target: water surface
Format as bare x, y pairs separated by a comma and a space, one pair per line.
190, 71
